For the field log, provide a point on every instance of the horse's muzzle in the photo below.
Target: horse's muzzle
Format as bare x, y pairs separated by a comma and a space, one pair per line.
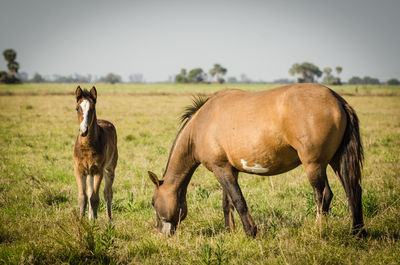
167, 229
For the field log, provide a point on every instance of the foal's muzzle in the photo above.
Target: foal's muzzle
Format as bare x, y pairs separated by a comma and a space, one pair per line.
83, 134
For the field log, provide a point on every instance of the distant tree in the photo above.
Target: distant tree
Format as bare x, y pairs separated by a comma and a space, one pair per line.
367, 80
76, 78
327, 71
337, 80
339, 69
393, 82
328, 77
111, 78
355, 80
181, 77
13, 66
282, 81
218, 71
3, 77
24, 77
308, 72
136, 78
9, 55
370, 80
196, 75
37, 78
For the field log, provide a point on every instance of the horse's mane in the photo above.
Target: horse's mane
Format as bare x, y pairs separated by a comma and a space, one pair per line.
197, 102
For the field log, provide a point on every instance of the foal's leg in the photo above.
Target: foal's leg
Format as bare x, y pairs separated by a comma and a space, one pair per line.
108, 192
226, 176
89, 185
82, 197
94, 195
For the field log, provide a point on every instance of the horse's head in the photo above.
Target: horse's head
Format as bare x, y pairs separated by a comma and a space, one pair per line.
85, 107
170, 209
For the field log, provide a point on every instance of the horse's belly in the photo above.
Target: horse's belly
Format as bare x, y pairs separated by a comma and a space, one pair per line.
265, 162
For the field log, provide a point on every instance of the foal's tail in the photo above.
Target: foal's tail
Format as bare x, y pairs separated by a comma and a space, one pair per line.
348, 162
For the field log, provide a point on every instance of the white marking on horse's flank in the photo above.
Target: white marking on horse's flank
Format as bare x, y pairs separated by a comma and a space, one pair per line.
85, 110
257, 168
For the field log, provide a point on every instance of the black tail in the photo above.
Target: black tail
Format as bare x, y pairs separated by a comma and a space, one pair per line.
348, 162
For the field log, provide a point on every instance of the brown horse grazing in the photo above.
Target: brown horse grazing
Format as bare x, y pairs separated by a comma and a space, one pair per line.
95, 154
264, 133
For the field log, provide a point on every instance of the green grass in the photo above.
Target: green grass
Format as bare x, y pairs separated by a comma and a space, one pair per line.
38, 193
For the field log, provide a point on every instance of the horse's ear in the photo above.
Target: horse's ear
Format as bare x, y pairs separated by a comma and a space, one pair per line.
154, 179
78, 93
93, 92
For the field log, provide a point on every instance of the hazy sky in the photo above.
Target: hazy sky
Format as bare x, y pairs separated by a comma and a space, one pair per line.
157, 38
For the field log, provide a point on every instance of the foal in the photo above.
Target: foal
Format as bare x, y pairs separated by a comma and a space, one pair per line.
95, 154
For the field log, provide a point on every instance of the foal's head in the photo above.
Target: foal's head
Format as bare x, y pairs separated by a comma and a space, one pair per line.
85, 107
170, 209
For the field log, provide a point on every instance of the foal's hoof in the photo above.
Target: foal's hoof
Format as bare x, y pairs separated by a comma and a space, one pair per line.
361, 233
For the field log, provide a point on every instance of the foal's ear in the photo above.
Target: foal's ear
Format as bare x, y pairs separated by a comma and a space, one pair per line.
154, 179
93, 92
78, 93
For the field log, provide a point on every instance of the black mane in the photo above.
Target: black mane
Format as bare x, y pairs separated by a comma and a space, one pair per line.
197, 102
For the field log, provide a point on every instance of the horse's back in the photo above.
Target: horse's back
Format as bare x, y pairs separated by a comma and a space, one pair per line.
267, 131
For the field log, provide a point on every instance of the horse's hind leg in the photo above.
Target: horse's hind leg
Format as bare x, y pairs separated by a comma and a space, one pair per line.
108, 192
316, 174
226, 176
228, 208
353, 193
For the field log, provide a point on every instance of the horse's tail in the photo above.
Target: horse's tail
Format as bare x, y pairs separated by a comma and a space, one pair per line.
348, 163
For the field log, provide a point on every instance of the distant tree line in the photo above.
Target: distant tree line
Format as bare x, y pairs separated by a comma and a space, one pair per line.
77, 78
306, 72
197, 75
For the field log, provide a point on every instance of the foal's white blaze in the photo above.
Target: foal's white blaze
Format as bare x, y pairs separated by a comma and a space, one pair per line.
85, 110
257, 168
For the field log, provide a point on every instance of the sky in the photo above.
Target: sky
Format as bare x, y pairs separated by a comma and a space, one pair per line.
157, 38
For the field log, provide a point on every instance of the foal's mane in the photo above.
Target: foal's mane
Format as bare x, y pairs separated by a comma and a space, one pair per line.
86, 94
197, 102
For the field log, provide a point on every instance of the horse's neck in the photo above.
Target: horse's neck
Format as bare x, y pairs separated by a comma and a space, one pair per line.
181, 164
92, 137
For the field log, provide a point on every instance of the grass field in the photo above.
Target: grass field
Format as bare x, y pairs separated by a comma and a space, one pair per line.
38, 193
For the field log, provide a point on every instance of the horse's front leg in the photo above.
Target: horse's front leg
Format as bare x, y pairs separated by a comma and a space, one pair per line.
93, 193
82, 197
227, 176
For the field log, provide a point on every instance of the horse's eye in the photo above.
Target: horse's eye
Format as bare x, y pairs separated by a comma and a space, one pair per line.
152, 202
77, 108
